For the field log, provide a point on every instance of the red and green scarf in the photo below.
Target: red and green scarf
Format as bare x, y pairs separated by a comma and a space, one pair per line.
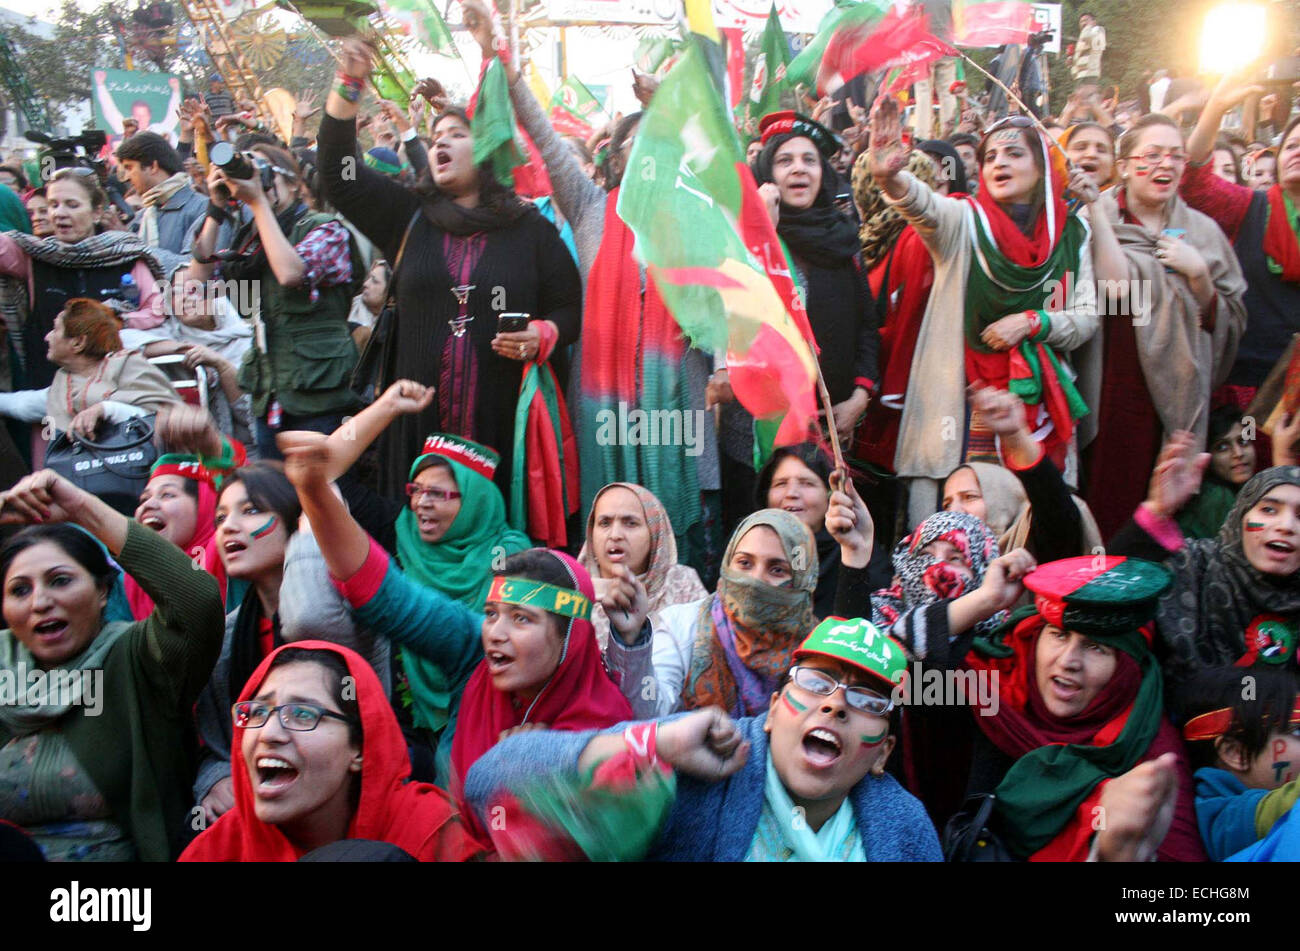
632, 354
1281, 237
545, 460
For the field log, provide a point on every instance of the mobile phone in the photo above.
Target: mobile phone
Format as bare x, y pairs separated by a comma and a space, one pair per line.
513, 323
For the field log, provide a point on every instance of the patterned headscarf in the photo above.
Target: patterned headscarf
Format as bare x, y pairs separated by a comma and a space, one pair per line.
749, 629
1219, 598
921, 579
881, 222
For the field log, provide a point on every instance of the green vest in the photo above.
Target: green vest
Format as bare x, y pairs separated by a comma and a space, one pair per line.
310, 354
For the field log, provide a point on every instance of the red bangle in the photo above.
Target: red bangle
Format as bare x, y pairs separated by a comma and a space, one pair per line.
1035, 323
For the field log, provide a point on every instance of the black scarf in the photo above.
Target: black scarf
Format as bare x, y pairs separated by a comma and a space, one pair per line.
819, 234
445, 215
245, 650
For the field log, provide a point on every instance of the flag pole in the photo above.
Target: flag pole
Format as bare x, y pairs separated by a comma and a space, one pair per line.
830, 416
1012, 97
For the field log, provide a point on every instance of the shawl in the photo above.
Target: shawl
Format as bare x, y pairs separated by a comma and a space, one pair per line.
39, 711
632, 357
459, 565
749, 629
1032, 250
881, 222
417, 817
818, 234
125, 376
1059, 764
782, 836
545, 467
920, 579
99, 250
1204, 515
1204, 618
1182, 359
579, 696
666, 582
154, 199
446, 215
1281, 240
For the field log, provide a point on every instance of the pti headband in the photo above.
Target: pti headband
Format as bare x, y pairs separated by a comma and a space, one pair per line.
469, 454
539, 594
1216, 723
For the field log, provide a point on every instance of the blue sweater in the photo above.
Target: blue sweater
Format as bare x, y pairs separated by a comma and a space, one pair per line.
713, 822
1225, 812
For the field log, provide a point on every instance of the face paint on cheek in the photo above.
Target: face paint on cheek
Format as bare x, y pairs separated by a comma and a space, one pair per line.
793, 705
1280, 766
1141, 171
259, 532
873, 740
1255, 526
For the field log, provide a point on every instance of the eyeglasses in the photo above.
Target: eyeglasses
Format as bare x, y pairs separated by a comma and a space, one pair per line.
299, 717
824, 685
1010, 122
414, 490
1155, 156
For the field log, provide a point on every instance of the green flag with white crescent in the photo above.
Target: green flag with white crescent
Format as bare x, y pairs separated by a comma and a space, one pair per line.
768, 81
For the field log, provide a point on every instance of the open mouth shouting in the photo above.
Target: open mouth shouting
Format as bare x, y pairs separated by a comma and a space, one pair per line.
442, 158
1066, 689
1279, 550
615, 554
822, 749
498, 662
274, 776
233, 548
155, 521
1162, 179
50, 630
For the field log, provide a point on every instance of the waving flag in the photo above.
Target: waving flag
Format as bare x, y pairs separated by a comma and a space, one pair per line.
991, 22
421, 20
725, 279
573, 107
869, 36
768, 82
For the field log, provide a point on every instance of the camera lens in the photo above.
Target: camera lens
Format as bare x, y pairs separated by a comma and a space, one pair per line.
233, 163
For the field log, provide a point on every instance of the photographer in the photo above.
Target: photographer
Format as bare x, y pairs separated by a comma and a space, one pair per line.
304, 264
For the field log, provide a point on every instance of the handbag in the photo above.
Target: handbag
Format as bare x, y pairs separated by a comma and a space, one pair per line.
115, 467
967, 836
367, 378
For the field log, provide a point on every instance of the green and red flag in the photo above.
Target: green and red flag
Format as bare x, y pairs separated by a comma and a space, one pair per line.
421, 20
492, 120
991, 22
768, 81
655, 52
573, 107
725, 279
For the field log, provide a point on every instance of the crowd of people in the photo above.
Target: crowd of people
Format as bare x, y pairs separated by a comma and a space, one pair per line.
390, 591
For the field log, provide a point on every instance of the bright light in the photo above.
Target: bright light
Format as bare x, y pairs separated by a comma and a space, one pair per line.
1232, 37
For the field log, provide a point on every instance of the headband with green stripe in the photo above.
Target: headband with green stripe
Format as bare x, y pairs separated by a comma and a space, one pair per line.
539, 594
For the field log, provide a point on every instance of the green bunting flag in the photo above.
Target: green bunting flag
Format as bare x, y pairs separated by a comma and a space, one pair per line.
768, 82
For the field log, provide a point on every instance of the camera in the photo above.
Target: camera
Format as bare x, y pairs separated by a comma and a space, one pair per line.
1040, 39
78, 151
242, 165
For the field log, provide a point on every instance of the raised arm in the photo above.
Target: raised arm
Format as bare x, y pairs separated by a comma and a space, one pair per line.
377, 205
349, 441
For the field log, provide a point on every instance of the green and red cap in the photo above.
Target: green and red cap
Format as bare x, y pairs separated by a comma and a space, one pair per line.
471, 455
1098, 594
858, 643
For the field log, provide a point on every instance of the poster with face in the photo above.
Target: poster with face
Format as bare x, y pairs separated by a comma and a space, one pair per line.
129, 101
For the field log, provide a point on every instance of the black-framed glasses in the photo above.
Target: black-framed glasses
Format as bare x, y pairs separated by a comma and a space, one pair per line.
414, 490
299, 717
1010, 122
823, 684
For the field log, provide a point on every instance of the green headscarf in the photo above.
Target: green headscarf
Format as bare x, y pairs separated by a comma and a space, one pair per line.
459, 565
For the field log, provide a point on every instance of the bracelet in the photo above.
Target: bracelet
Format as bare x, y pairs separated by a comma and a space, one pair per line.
349, 87
217, 214
640, 739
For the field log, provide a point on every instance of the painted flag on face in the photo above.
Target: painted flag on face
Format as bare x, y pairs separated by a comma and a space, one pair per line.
769, 79
725, 279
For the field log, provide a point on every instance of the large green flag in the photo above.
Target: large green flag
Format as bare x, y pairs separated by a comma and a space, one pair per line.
725, 278
768, 82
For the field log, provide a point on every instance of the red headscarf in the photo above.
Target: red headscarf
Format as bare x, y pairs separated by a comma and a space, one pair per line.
204, 535
1032, 250
417, 817
579, 696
